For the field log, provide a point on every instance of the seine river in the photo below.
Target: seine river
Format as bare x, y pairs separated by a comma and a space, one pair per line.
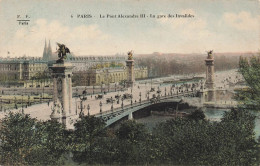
211, 113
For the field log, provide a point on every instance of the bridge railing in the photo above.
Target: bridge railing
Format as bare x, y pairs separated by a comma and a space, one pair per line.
146, 101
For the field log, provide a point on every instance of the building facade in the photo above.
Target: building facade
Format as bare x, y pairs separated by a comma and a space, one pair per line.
21, 69
105, 76
87, 70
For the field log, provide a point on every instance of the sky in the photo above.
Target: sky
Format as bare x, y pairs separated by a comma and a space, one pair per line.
219, 25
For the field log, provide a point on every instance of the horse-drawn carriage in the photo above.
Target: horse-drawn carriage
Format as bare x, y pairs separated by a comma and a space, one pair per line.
99, 96
110, 100
152, 90
127, 96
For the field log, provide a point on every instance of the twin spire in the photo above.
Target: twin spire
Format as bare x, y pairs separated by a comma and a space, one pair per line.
47, 52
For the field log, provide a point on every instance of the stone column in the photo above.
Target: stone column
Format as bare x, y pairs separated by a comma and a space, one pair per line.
210, 75
130, 116
130, 73
70, 93
55, 96
65, 101
62, 91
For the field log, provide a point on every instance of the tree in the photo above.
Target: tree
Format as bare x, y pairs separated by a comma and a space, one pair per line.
25, 141
249, 98
88, 131
198, 114
18, 136
131, 144
191, 142
52, 146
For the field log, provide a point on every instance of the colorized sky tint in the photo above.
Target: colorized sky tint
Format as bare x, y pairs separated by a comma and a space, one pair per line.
224, 26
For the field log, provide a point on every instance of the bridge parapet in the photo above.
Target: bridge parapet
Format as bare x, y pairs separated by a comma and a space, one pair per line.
113, 115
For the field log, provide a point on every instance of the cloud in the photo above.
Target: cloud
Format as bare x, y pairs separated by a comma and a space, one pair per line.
56, 31
188, 28
242, 21
77, 37
187, 34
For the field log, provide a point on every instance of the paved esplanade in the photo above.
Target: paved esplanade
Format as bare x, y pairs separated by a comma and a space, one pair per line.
43, 111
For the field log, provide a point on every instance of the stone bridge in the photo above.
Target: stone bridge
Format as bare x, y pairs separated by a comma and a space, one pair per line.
114, 115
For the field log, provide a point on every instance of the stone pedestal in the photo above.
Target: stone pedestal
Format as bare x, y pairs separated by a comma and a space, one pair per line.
130, 73
130, 116
62, 92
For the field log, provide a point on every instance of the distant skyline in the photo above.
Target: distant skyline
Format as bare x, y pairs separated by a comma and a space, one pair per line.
224, 26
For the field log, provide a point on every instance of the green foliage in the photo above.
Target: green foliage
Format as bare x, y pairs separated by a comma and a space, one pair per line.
189, 142
132, 146
249, 98
52, 144
180, 141
132, 131
25, 141
198, 114
18, 136
88, 131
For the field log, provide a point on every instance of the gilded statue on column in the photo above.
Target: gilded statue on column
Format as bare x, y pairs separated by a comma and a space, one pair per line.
130, 55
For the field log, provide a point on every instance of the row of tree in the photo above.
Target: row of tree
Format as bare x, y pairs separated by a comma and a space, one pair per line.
167, 65
189, 141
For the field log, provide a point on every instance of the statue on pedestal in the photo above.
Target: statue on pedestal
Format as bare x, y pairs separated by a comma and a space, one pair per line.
62, 51
210, 54
130, 55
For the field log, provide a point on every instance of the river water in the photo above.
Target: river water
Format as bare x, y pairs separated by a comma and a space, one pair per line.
211, 113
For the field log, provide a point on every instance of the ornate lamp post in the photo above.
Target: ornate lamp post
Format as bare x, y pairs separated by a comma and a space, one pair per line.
28, 100
82, 98
22, 104
148, 93
85, 92
15, 102
88, 109
122, 105
100, 104
140, 94
151, 83
118, 99
1, 104
112, 107
93, 89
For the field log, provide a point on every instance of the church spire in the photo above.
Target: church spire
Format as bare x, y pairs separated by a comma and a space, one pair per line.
44, 57
49, 51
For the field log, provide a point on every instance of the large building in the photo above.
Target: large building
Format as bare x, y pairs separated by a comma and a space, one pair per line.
106, 75
88, 70
21, 69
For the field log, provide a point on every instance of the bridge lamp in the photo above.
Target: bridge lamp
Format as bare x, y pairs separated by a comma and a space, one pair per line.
82, 98
88, 109
140, 94
122, 105
81, 114
100, 104
112, 107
